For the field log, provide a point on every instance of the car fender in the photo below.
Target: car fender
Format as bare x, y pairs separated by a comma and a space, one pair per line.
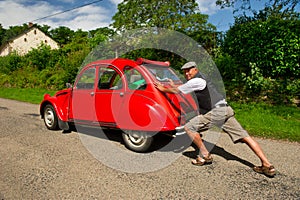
60, 103
146, 113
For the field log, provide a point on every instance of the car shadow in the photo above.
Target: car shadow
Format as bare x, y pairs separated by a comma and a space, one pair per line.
163, 143
98, 132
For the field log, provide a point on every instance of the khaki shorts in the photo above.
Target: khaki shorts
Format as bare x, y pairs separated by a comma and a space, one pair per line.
222, 117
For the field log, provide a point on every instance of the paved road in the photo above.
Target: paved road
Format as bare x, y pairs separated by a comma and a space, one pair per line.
36, 163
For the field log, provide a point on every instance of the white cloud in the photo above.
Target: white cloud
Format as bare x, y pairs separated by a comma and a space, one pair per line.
89, 17
116, 2
18, 12
208, 6
15, 13
24, 11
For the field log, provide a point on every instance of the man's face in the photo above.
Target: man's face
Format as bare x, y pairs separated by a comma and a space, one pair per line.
190, 73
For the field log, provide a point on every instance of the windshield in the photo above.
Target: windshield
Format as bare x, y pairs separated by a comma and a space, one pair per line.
161, 73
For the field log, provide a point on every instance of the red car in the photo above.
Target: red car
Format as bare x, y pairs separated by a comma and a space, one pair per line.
120, 94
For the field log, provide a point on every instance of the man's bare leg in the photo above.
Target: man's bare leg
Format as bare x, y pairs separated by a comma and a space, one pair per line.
197, 140
266, 166
257, 150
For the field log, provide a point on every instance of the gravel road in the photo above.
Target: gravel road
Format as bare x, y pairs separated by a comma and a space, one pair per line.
36, 163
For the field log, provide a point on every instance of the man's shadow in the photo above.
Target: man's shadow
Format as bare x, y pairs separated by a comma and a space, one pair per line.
217, 151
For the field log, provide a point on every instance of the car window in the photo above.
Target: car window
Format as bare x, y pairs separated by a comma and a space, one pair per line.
162, 74
87, 79
109, 79
135, 79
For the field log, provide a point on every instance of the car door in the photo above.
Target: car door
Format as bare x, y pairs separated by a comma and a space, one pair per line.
83, 98
109, 95
136, 111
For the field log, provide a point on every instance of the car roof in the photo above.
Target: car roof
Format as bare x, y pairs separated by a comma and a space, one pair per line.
111, 61
139, 61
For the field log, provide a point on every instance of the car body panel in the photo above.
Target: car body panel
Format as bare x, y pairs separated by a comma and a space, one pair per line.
119, 93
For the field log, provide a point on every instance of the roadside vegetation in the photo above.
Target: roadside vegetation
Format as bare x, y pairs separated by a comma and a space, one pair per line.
30, 95
260, 119
258, 58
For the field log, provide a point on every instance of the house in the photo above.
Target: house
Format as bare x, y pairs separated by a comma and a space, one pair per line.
30, 39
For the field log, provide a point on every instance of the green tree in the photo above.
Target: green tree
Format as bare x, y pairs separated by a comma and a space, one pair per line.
178, 15
45, 28
108, 32
284, 5
99, 35
12, 32
272, 42
2, 34
63, 35
265, 50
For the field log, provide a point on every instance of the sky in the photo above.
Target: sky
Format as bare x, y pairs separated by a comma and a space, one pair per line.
89, 17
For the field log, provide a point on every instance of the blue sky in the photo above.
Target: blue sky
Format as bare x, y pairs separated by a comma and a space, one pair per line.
99, 14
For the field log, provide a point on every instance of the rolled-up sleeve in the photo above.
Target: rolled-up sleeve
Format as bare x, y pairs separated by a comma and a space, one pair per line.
192, 85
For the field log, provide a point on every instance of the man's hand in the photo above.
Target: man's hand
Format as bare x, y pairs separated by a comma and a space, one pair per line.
172, 83
173, 89
159, 86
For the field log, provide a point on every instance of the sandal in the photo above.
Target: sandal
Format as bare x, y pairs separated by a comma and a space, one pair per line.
199, 161
268, 171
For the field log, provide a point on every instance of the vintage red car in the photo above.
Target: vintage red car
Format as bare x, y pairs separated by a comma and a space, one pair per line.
120, 94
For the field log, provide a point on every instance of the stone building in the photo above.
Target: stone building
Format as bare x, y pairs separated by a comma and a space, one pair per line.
30, 39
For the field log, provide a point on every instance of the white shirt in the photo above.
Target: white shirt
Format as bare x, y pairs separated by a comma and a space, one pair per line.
195, 84
192, 85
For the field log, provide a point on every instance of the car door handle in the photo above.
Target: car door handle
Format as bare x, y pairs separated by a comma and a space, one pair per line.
92, 93
121, 94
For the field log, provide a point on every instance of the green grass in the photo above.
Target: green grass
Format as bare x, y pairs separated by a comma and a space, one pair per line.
262, 120
31, 95
278, 122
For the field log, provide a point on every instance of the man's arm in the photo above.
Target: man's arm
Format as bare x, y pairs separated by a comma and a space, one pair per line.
173, 89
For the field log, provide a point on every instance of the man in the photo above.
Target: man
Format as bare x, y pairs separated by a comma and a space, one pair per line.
214, 110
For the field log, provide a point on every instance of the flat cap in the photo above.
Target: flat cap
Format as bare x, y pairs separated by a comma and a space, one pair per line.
188, 65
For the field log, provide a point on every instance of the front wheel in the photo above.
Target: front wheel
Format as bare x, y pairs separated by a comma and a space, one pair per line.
137, 141
50, 118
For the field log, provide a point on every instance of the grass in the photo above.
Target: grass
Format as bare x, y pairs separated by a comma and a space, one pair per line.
268, 121
262, 120
31, 95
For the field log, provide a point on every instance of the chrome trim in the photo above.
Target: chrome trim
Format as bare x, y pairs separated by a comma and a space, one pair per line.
180, 130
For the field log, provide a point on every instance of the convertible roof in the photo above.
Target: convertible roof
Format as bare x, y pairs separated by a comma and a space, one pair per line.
138, 61
141, 61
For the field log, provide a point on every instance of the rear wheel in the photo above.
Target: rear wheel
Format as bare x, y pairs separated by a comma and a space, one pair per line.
50, 118
137, 141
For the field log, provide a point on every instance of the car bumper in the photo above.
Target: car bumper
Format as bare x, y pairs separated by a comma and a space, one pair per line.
180, 131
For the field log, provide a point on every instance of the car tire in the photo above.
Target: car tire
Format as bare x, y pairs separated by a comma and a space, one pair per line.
50, 118
137, 141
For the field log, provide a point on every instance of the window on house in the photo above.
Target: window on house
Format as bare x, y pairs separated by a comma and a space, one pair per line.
25, 39
34, 32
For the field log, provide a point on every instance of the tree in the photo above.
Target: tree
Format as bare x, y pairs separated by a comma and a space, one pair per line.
104, 31
265, 50
286, 5
174, 15
12, 32
2, 33
178, 15
270, 41
44, 28
63, 35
